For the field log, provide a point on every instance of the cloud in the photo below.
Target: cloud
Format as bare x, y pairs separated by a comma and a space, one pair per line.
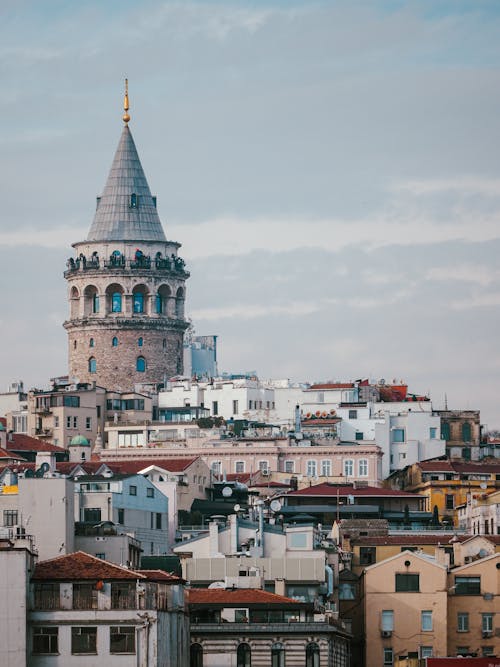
473, 273
489, 187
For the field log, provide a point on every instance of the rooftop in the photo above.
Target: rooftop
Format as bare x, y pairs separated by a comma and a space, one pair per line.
237, 597
81, 566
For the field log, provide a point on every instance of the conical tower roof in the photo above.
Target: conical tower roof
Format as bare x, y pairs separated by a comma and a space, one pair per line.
119, 216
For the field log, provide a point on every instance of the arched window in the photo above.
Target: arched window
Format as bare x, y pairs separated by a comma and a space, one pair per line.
138, 302
243, 656
90, 300
92, 365
116, 302
140, 342
74, 302
114, 342
179, 303
196, 656
159, 304
91, 342
140, 365
312, 655
277, 655
162, 296
95, 303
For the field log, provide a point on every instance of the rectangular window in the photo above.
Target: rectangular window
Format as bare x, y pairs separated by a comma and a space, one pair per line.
311, 469
121, 516
363, 467
348, 468
235, 407
10, 518
47, 596
432, 433
123, 595
426, 621
487, 651
216, 467
467, 585
92, 514
450, 501
122, 639
426, 652
132, 490
387, 620
487, 623
353, 414
83, 640
215, 408
150, 493
398, 435
71, 401
241, 615
347, 590
158, 521
56, 421
388, 657
88, 423
101, 555
239, 466
98, 408
359, 435
264, 466
407, 583
68, 422
367, 555
75, 422
84, 596
289, 467
463, 621
45, 640
326, 468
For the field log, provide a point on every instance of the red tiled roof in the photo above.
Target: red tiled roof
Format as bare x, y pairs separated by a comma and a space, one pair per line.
458, 467
25, 443
239, 596
242, 477
333, 385
171, 465
271, 485
161, 576
435, 466
326, 489
4, 454
80, 565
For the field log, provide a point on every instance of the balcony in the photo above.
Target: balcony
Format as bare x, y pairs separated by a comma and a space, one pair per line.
293, 627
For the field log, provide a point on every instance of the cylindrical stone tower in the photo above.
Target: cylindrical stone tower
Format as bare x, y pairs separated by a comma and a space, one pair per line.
126, 285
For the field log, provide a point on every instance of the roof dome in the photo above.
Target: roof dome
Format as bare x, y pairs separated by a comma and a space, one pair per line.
79, 441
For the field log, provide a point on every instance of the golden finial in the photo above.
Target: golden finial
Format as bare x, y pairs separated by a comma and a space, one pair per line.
126, 116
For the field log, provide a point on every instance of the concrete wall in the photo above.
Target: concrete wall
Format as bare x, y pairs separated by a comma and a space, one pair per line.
14, 568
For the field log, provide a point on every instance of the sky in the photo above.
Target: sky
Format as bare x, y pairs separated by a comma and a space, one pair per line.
332, 170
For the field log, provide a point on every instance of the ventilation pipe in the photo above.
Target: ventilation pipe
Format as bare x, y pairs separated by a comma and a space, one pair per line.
329, 579
233, 532
297, 419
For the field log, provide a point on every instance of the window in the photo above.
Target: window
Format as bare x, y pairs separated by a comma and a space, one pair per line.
216, 467
312, 655
445, 431
68, 422
277, 655
140, 365
114, 342
289, 467
91, 342
426, 621
196, 656
45, 639
367, 555
150, 493
359, 435
432, 433
487, 623
250, 403
463, 621
84, 640
487, 651
132, 490
158, 521
88, 423
388, 657
116, 302
92, 514
363, 467
123, 596
243, 656
348, 468
133, 200
311, 469
84, 596
467, 585
138, 302
215, 407
353, 414
75, 422
95, 303
326, 468
235, 407
241, 615
121, 516
47, 596
10, 518
122, 639
347, 590
398, 435
140, 342
92, 365
264, 466
407, 583
101, 555
387, 620
239, 466
298, 540
164, 343
450, 501
466, 432
426, 651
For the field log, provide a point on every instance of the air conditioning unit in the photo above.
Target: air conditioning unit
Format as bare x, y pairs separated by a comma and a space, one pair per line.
386, 633
487, 634
266, 472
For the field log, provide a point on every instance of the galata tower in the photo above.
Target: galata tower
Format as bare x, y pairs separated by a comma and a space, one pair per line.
126, 285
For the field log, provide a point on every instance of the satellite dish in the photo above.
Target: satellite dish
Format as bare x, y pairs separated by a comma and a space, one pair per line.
237, 508
275, 505
45, 467
217, 584
29, 473
227, 492
483, 485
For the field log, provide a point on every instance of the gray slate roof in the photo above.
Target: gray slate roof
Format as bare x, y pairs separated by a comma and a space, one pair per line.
114, 219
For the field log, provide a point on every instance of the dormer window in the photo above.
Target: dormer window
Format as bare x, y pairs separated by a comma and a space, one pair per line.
134, 200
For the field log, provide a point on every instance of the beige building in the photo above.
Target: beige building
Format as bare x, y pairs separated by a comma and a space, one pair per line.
405, 609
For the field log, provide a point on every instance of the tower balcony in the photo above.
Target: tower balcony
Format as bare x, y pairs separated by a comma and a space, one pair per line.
174, 266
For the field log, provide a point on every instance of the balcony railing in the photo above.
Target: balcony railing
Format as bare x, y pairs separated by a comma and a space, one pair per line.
294, 627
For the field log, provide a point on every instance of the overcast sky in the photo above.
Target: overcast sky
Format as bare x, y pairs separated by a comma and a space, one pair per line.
332, 170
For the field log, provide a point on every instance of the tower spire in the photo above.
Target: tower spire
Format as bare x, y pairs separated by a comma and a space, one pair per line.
126, 116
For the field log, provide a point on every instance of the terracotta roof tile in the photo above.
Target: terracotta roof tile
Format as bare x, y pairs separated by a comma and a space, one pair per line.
78, 566
25, 443
4, 454
239, 596
171, 465
332, 385
162, 576
458, 467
